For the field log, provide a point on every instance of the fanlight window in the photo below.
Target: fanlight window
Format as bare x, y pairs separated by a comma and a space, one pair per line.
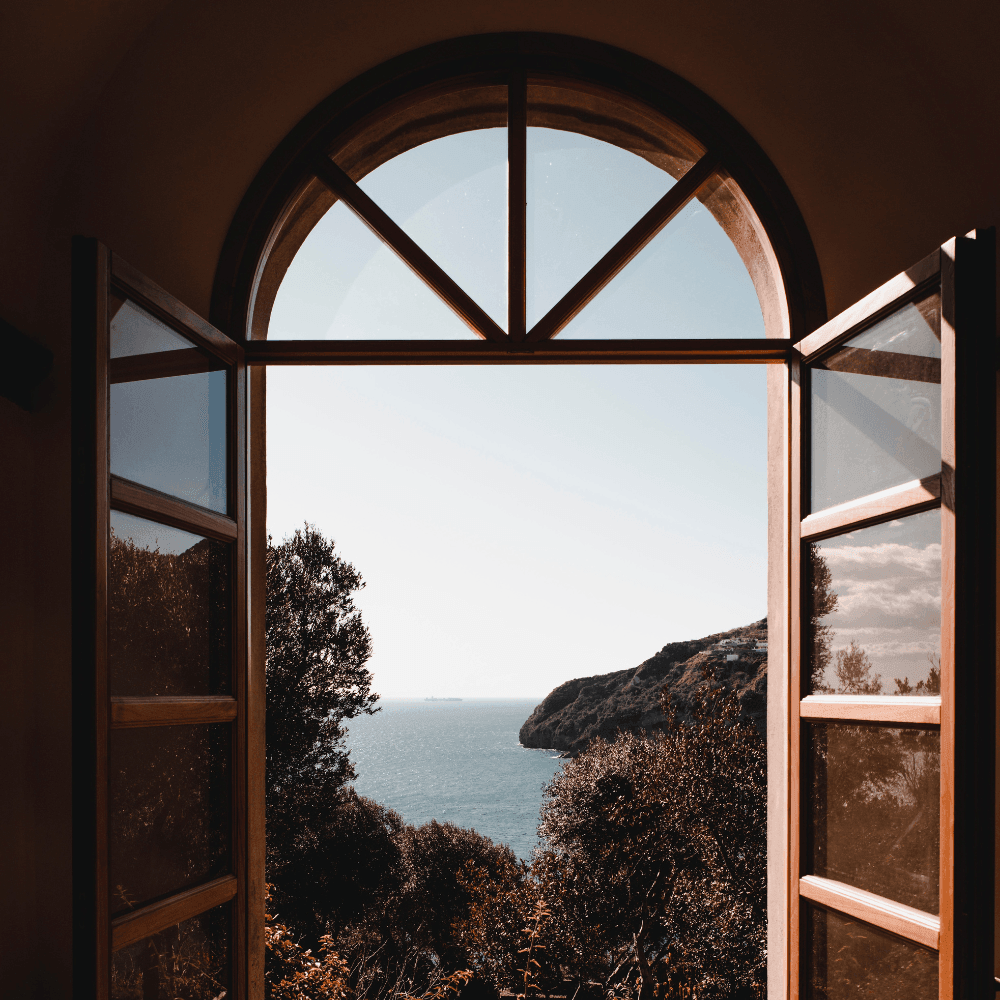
584, 217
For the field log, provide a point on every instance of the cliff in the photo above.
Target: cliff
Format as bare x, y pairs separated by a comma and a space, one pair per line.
577, 711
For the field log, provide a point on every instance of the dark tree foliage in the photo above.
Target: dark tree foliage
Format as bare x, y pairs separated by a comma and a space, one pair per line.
435, 897
168, 619
654, 860
823, 602
328, 850
334, 861
317, 651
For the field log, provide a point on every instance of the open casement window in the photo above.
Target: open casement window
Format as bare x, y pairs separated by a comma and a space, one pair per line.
166, 861
889, 773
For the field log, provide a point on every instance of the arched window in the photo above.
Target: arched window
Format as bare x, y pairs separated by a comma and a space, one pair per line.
530, 199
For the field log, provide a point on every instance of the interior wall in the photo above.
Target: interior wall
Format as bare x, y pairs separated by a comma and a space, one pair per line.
143, 123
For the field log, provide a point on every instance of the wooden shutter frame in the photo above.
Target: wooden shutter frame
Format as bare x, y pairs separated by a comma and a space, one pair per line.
96, 272
966, 494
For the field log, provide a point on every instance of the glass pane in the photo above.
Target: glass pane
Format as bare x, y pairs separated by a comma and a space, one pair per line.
875, 609
170, 810
189, 961
689, 281
850, 960
168, 431
346, 284
169, 613
450, 196
135, 331
876, 407
583, 196
874, 809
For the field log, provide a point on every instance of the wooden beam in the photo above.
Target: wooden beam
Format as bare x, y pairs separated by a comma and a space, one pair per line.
908, 710
136, 286
546, 352
874, 306
468, 310
179, 710
909, 498
145, 502
132, 927
625, 249
904, 921
884, 364
162, 364
517, 203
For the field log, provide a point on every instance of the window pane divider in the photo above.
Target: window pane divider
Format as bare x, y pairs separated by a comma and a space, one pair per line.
667, 208
910, 498
131, 498
902, 710
139, 924
517, 203
162, 364
171, 710
133, 284
873, 307
759, 350
897, 918
408, 251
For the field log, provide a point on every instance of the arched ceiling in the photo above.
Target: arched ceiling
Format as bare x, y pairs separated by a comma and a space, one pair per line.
144, 122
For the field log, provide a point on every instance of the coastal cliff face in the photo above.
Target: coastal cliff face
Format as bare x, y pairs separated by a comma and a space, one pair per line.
577, 711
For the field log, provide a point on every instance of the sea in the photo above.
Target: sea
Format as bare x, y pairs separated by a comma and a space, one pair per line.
457, 762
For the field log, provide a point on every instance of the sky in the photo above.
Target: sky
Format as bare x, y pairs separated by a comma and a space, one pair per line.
519, 527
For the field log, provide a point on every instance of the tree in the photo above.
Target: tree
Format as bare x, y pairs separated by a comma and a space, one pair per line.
654, 860
854, 670
317, 651
436, 896
317, 678
823, 602
334, 861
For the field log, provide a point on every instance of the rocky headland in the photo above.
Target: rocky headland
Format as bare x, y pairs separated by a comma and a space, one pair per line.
577, 711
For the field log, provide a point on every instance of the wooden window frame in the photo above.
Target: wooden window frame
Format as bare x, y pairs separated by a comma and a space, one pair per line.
98, 274
275, 204
965, 492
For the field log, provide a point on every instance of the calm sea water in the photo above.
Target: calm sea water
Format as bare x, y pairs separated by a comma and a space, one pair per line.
456, 761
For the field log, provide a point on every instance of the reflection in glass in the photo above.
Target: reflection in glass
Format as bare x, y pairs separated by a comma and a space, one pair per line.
168, 410
170, 810
583, 196
875, 609
169, 612
874, 809
344, 283
688, 281
450, 196
850, 960
876, 407
134, 331
189, 961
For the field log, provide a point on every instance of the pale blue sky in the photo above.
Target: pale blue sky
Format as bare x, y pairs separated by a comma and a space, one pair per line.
518, 527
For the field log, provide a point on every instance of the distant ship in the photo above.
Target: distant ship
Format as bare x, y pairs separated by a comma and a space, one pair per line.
442, 699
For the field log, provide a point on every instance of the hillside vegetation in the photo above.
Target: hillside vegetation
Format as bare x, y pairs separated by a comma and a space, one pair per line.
629, 700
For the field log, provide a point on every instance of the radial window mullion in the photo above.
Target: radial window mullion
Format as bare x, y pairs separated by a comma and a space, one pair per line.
408, 251
672, 203
517, 202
